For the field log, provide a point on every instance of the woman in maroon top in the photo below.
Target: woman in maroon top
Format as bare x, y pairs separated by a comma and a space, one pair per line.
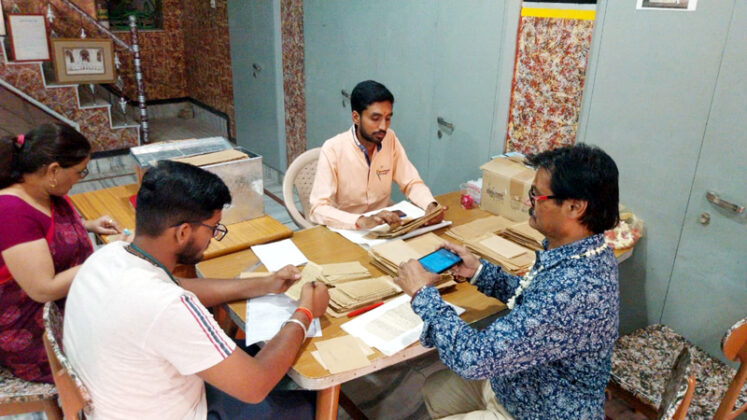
42, 239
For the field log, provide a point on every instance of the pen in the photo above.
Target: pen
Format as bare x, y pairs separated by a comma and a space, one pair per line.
329, 286
364, 309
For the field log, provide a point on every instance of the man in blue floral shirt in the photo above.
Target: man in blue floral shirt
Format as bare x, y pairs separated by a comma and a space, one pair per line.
549, 358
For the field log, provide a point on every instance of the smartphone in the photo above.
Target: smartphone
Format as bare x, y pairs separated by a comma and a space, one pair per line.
400, 213
440, 260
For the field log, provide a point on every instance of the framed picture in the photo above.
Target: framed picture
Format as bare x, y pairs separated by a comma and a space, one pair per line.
84, 60
28, 37
2, 21
667, 4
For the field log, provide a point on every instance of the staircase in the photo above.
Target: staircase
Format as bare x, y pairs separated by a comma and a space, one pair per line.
91, 109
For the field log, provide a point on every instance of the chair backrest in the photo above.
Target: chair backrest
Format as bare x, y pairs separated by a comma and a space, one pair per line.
734, 346
74, 396
679, 388
300, 174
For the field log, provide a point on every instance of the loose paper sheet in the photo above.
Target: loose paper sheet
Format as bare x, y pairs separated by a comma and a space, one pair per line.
373, 327
265, 315
342, 353
277, 255
368, 351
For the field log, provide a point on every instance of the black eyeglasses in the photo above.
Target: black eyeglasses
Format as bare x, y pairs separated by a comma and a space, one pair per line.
219, 231
534, 198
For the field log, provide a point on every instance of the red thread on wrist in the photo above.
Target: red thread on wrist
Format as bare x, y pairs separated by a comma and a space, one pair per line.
305, 312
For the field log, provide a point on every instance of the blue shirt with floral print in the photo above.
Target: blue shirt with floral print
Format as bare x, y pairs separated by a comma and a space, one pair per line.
549, 358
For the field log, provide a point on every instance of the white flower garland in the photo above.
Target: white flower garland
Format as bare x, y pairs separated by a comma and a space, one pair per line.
528, 277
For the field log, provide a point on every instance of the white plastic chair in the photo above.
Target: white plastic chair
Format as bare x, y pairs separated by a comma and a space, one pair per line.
300, 174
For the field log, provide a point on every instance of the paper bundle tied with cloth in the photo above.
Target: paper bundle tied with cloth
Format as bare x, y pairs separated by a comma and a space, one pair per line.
407, 225
351, 286
388, 256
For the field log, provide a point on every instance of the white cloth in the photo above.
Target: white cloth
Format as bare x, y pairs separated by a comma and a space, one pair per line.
137, 339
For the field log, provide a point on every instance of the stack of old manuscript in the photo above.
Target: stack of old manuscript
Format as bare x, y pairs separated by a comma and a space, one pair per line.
344, 272
475, 228
388, 256
514, 258
354, 294
406, 226
525, 235
351, 285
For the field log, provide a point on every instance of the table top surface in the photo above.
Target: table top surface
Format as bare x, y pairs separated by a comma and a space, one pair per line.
324, 246
115, 202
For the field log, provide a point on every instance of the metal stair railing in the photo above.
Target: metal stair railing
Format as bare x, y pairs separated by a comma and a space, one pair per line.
134, 49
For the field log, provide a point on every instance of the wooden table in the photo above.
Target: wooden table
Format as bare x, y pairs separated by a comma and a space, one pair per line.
324, 246
115, 202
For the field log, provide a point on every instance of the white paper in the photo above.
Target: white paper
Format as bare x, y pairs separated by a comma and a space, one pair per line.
412, 212
29, 37
360, 327
277, 255
266, 314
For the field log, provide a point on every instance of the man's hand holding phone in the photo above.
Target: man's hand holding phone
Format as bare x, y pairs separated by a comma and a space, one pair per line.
469, 264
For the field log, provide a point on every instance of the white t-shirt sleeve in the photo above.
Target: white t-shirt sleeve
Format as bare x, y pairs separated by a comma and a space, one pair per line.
186, 335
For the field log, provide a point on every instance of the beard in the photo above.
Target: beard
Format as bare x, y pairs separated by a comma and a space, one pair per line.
191, 254
371, 136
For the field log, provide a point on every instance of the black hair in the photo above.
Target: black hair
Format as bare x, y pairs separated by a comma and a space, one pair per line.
45, 144
367, 92
175, 192
586, 173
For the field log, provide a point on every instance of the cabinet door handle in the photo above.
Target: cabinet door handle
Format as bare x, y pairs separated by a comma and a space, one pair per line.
445, 124
715, 199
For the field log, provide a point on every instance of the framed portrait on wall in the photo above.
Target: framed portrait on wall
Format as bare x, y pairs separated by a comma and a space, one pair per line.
684, 5
2, 21
84, 60
28, 37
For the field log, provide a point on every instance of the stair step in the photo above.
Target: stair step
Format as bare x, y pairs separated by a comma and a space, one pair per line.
88, 99
120, 120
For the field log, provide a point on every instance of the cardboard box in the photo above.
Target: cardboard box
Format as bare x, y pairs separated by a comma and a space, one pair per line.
505, 187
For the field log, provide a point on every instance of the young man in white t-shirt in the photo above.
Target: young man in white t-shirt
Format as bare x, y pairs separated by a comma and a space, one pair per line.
142, 340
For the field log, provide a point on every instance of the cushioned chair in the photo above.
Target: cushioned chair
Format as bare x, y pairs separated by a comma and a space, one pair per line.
734, 346
642, 361
300, 174
18, 396
74, 396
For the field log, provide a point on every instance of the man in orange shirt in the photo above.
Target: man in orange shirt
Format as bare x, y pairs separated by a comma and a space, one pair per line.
357, 167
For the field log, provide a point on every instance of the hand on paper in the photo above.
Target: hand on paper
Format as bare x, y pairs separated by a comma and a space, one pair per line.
412, 276
384, 216
469, 263
315, 297
439, 218
104, 225
282, 279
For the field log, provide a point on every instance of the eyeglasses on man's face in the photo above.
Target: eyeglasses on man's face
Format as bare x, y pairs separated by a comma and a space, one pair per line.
219, 231
533, 197
84, 173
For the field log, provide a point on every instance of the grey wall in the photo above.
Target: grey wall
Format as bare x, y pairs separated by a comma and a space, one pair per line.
647, 101
254, 34
650, 84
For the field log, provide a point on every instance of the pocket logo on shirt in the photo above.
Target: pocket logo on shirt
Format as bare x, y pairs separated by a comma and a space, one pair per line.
380, 172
